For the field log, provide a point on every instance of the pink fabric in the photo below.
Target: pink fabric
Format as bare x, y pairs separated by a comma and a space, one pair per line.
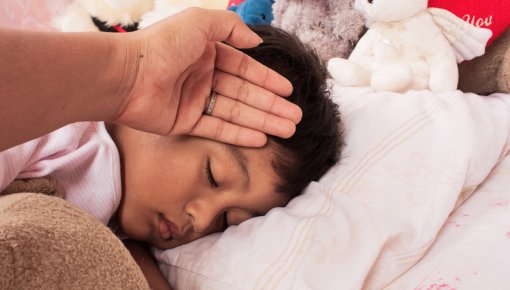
30, 14
81, 157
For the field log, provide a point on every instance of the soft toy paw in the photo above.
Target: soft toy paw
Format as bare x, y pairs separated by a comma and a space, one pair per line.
332, 27
409, 48
255, 12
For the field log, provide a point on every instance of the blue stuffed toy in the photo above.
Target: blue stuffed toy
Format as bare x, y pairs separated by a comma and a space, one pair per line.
255, 12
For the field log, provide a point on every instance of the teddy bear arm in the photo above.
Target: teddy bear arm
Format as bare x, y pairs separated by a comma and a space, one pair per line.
348, 73
444, 74
356, 70
363, 53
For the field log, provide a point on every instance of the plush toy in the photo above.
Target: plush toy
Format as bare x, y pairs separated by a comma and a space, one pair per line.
409, 48
124, 15
48, 243
480, 13
489, 73
165, 8
332, 27
255, 12
103, 15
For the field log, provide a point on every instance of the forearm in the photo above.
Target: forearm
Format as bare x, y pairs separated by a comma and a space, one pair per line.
49, 80
147, 264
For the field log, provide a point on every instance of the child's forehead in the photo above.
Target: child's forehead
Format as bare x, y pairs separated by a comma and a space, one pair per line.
250, 157
272, 159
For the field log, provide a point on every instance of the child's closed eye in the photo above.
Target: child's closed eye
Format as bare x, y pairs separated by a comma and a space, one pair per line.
225, 220
209, 174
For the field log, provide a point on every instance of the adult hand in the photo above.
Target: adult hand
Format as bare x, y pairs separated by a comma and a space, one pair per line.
178, 63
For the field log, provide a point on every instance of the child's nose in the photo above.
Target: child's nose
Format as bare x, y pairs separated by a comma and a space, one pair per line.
203, 212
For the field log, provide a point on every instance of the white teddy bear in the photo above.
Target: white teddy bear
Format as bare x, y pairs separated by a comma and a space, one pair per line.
103, 15
124, 15
165, 8
409, 46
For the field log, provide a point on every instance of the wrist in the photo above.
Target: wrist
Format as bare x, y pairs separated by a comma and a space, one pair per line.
122, 72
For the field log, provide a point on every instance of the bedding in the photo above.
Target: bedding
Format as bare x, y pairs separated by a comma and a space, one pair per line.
420, 200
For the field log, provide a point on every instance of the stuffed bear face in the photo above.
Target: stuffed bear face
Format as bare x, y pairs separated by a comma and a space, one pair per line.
115, 12
392, 10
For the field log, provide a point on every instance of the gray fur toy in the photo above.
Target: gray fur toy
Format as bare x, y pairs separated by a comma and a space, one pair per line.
332, 27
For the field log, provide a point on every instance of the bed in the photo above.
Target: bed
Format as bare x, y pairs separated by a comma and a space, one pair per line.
420, 200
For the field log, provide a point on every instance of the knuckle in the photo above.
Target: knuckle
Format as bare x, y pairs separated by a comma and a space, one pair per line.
243, 66
266, 77
243, 91
264, 123
219, 131
216, 80
235, 112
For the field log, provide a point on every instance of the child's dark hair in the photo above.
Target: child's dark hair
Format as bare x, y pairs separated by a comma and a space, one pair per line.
317, 143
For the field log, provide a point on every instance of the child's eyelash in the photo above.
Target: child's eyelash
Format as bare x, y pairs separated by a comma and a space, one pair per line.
225, 220
209, 174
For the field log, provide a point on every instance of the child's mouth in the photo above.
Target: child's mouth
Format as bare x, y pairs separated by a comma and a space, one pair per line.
165, 228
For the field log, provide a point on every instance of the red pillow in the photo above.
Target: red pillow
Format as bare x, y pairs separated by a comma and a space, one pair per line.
492, 14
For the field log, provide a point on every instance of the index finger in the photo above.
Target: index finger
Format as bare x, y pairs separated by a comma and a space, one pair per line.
235, 62
227, 26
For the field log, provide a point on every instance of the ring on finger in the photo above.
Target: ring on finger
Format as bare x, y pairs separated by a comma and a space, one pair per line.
212, 102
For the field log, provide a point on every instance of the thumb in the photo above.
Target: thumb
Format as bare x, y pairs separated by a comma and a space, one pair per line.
226, 26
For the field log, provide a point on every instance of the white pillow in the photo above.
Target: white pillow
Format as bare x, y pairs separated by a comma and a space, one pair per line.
410, 159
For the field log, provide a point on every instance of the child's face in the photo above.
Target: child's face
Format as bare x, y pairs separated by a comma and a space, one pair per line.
179, 189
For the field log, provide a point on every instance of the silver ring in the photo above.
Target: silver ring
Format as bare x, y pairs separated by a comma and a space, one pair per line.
212, 102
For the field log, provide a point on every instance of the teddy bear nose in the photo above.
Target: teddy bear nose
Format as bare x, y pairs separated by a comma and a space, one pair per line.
370, 1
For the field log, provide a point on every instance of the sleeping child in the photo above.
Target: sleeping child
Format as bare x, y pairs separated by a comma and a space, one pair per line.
170, 190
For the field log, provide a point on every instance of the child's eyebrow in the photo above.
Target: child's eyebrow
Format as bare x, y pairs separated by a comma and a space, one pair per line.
240, 159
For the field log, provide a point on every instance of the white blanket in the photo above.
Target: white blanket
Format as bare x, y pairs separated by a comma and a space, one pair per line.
381, 217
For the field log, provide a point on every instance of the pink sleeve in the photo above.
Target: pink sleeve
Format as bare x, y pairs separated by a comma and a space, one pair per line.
39, 157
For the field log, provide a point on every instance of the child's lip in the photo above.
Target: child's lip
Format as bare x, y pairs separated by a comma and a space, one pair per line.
166, 228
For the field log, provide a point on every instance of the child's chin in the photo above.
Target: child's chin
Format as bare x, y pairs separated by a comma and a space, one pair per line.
163, 245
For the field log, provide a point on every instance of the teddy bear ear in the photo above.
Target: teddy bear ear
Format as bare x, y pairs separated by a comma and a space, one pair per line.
358, 5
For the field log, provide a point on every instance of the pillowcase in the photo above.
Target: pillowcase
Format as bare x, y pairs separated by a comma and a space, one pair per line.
409, 160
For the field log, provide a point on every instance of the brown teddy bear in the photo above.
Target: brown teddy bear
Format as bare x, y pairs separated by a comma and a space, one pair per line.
49, 243
490, 72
